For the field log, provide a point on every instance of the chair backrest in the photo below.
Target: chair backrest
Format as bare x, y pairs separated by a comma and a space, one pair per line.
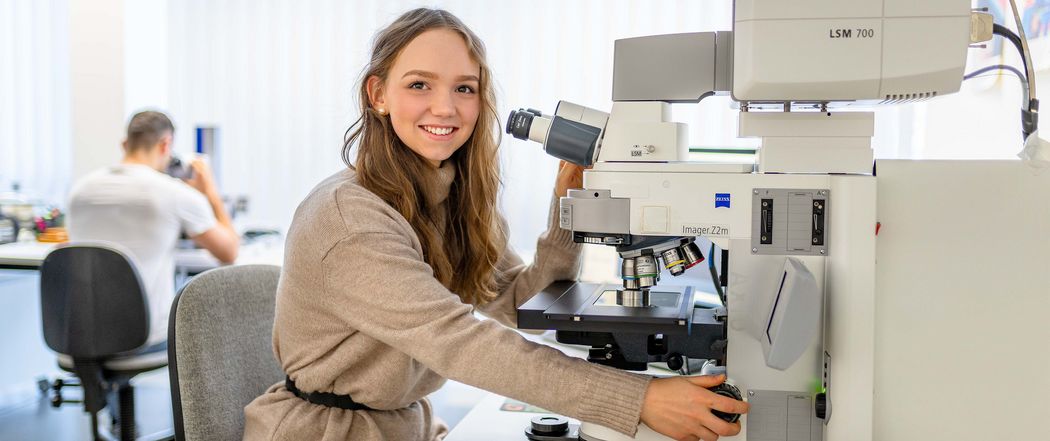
92, 301
220, 350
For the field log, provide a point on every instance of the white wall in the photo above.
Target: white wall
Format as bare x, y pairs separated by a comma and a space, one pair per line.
96, 30
146, 56
983, 120
118, 65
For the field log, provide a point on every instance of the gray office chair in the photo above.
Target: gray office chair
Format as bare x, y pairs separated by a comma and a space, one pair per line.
221, 351
95, 316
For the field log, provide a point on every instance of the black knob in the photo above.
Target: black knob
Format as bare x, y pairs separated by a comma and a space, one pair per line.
726, 390
820, 404
675, 362
550, 425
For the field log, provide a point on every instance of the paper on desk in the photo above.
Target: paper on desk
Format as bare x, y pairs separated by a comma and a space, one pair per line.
512, 405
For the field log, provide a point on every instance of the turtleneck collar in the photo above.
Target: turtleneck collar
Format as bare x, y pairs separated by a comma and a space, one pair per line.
437, 183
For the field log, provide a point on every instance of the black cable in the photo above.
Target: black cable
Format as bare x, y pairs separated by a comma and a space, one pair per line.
714, 274
1006, 33
1020, 75
1030, 112
1014, 70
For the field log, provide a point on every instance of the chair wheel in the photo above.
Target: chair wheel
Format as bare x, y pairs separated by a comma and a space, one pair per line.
43, 385
56, 401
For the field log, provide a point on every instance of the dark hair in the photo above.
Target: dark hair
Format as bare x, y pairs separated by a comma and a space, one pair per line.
146, 129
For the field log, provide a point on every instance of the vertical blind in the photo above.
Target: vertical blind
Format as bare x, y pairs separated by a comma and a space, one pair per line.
35, 148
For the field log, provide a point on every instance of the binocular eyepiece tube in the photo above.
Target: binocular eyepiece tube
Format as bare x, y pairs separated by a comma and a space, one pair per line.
573, 134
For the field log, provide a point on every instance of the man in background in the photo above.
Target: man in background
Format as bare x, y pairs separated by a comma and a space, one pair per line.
136, 205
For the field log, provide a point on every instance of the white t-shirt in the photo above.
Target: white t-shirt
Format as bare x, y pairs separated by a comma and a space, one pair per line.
144, 211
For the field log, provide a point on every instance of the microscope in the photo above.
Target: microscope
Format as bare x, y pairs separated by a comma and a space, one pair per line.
792, 237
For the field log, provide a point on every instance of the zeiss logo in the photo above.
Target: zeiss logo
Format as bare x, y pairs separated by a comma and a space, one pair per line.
722, 200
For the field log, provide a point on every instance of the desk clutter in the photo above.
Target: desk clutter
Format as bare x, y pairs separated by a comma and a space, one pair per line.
26, 220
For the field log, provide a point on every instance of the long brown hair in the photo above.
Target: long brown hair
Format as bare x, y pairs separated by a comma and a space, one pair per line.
474, 238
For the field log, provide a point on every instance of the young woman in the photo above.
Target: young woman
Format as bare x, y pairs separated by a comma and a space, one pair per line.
386, 261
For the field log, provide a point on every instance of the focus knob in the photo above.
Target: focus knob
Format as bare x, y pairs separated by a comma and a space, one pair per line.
726, 390
820, 404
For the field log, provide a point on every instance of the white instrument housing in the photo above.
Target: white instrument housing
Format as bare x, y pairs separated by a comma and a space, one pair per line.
848, 50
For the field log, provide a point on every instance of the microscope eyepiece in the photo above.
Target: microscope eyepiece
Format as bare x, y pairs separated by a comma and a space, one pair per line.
572, 134
520, 122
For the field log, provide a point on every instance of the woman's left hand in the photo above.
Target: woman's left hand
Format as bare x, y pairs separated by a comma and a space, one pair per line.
569, 176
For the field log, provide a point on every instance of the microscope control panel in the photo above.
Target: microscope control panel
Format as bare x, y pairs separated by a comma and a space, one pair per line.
790, 221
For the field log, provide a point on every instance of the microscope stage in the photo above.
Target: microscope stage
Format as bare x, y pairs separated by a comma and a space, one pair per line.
577, 306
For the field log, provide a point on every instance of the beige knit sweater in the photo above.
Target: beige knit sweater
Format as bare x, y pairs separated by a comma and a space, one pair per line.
359, 312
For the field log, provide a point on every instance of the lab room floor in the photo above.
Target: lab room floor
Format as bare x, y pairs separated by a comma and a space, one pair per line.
27, 415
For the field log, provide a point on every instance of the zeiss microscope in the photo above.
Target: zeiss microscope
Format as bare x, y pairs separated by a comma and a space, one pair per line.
792, 237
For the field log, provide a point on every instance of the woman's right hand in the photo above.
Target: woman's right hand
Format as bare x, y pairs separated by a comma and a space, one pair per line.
680, 407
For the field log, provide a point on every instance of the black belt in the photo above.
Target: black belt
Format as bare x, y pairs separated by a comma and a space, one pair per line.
324, 398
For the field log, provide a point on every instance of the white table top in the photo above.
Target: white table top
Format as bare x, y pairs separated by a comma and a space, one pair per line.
488, 421
262, 251
24, 253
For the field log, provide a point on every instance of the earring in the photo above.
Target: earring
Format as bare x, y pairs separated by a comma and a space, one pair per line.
381, 111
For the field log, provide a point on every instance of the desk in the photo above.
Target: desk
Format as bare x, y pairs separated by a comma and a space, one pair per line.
30, 255
487, 421
24, 255
264, 251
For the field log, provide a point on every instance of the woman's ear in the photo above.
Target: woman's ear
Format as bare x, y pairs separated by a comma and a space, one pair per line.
375, 92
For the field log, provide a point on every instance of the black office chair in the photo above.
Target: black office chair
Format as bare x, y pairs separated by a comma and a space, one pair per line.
95, 316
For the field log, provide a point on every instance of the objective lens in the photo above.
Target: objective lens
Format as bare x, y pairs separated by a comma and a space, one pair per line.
647, 270
691, 253
628, 273
673, 261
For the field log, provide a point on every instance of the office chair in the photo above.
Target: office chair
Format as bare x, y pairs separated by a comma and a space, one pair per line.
221, 351
95, 316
